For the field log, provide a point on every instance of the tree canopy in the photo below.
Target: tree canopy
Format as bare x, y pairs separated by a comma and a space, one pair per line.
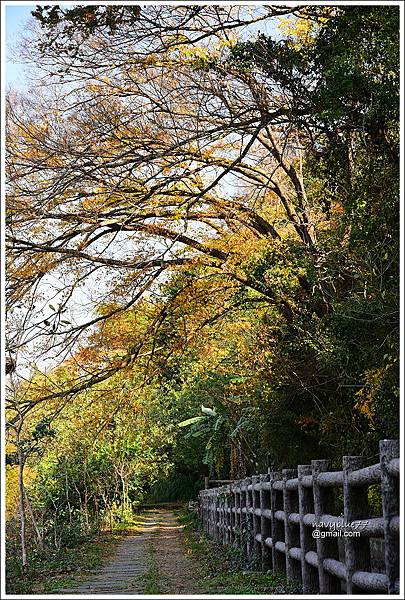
202, 211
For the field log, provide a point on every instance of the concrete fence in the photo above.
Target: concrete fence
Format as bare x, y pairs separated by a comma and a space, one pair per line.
315, 524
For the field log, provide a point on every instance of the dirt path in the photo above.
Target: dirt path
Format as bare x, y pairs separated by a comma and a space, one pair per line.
174, 566
150, 561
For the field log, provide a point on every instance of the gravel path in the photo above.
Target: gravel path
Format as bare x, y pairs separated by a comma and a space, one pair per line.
174, 566
156, 549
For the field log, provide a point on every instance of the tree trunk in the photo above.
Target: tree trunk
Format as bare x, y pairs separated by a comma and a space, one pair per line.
97, 513
21, 494
123, 497
67, 496
86, 510
33, 521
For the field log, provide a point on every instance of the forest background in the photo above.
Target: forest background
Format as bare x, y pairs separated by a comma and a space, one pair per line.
202, 253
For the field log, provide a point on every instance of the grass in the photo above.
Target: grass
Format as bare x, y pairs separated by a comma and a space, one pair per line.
151, 578
220, 569
50, 572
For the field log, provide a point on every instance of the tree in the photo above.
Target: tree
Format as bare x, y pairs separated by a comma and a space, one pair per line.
228, 203
148, 179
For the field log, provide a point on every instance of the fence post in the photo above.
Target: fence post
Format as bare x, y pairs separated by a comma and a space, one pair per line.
265, 523
217, 515
214, 514
238, 516
357, 549
256, 519
326, 547
291, 534
226, 515
277, 528
248, 518
310, 579
223, 524
389, 450
243, 516
231, 513
205, 511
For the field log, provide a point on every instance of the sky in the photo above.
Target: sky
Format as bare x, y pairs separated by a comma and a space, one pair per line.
16, 22
17, 17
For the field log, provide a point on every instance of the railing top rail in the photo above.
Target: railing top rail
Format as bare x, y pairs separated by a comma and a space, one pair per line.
360, 477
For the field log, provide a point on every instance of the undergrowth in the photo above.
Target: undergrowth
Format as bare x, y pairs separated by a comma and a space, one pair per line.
151, 577
51, 571
223, 569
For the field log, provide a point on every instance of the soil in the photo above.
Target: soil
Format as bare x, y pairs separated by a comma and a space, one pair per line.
154, 554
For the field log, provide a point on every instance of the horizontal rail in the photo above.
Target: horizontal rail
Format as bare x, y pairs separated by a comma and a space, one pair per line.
309, 519
360, 477
335, 567
307, 481
294, 518
311, 558
295, 553
369, 527
280, 546
270, 515
373, 527
371, 582
393, 467
365, 476
394, 525
330, 479
266, 513
291, 484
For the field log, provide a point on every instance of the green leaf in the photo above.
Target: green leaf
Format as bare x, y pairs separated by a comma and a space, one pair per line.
190, 421
197, 434
239, 426
208, 411
218, 423
239, 379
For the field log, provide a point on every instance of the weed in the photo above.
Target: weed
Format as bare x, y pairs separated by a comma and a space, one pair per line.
51, 571
152, 579
223, 569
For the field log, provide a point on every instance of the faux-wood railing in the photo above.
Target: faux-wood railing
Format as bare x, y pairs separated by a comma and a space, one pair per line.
288, 521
